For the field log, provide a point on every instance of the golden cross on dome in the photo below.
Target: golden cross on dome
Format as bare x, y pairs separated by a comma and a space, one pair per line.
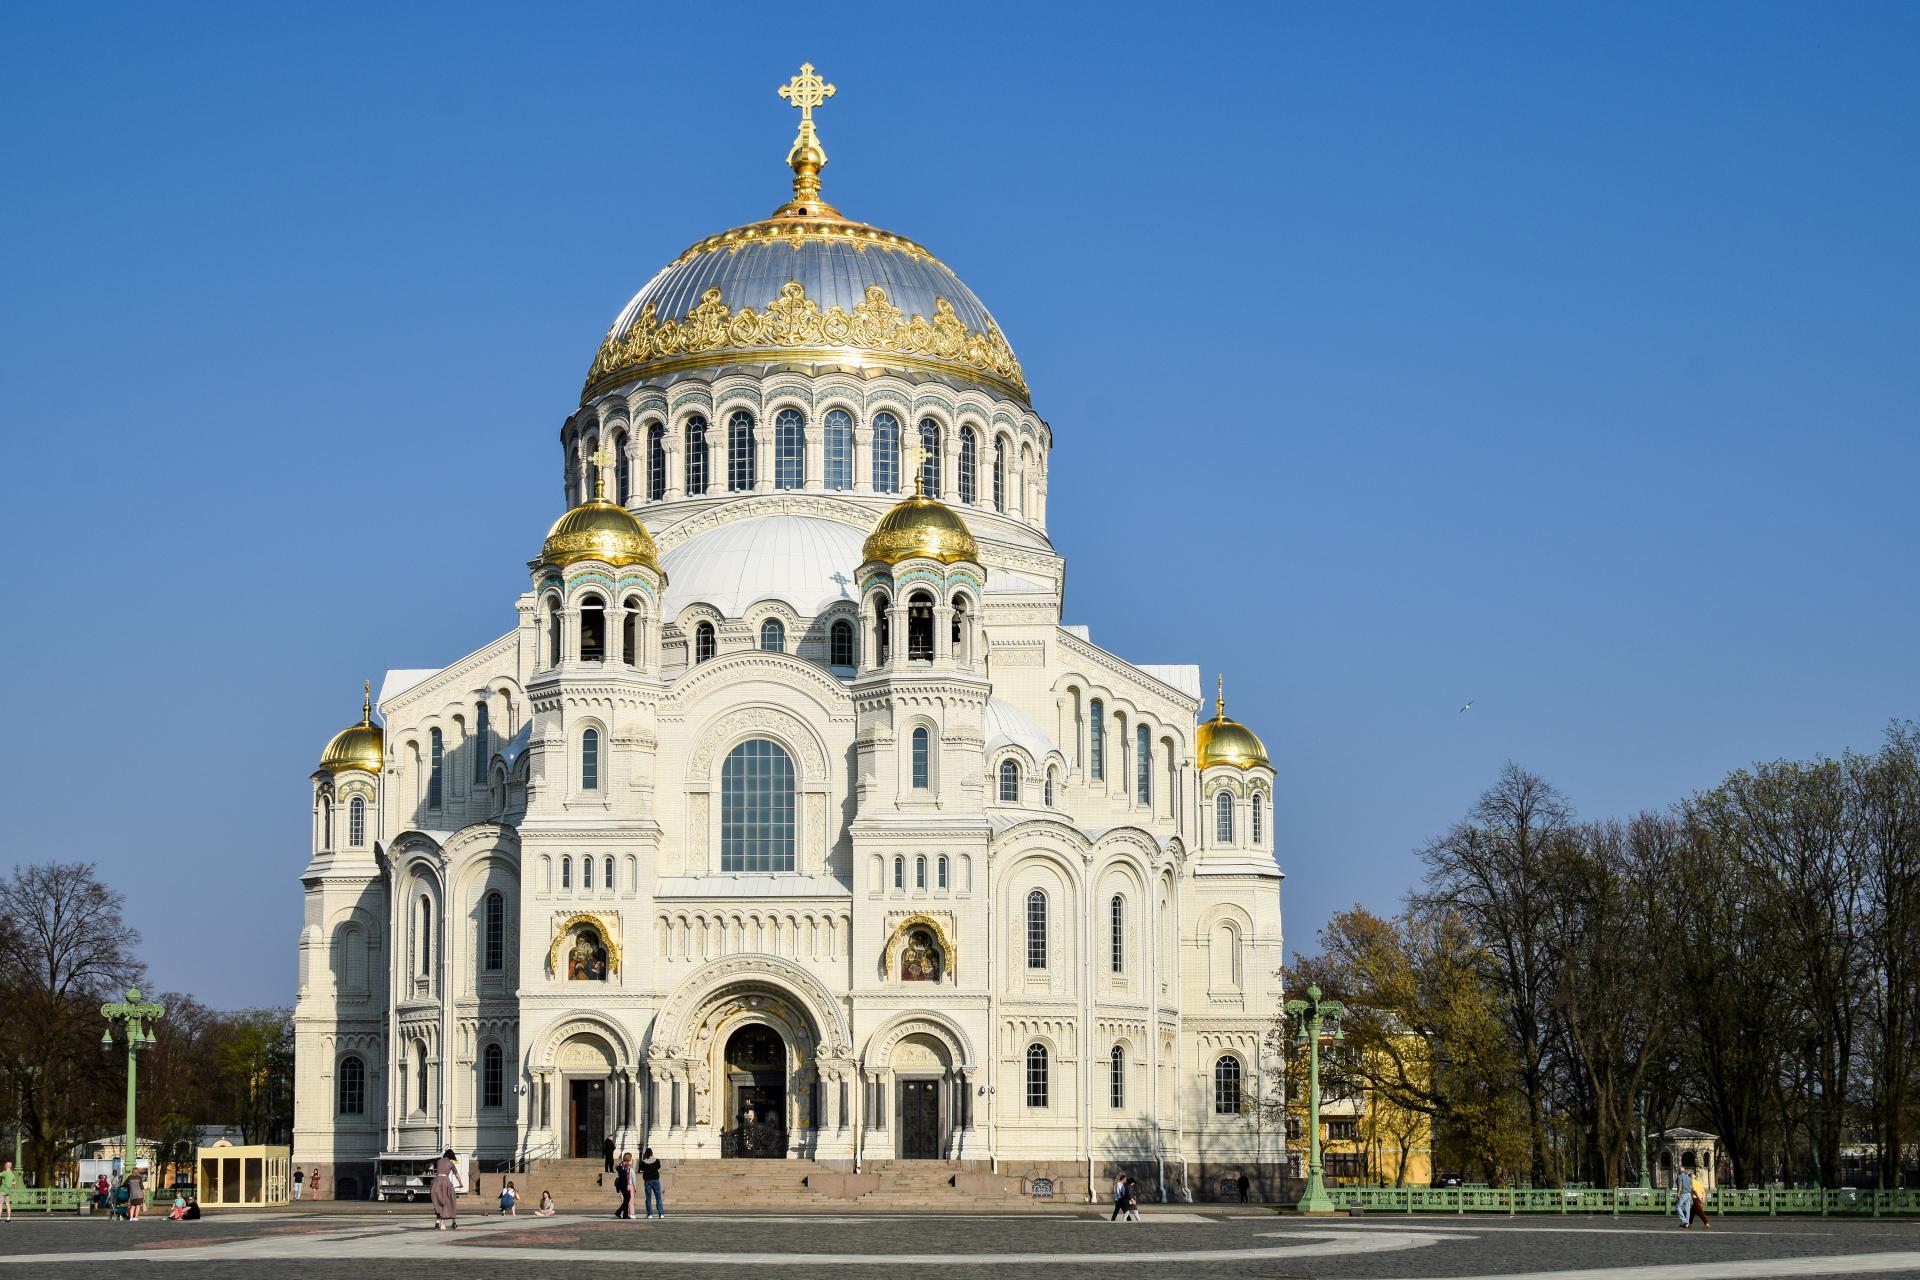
366, 702
806, 91
601, 460
915, 455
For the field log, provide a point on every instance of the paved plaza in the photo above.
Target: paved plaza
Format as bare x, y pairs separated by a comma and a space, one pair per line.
295, 1245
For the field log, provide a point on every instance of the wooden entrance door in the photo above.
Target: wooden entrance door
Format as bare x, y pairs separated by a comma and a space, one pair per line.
587, 1117
919, 1119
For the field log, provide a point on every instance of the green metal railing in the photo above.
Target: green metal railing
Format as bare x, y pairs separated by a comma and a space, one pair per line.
1844, 1201
50, 1199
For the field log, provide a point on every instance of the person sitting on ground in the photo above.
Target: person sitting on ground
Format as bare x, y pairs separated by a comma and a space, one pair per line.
193, 1210
179, 1208
508, 1198
546, 1209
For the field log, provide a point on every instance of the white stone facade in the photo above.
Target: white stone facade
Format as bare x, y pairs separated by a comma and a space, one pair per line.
445, 924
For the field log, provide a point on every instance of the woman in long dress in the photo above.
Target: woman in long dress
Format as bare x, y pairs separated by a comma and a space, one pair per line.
446, 1209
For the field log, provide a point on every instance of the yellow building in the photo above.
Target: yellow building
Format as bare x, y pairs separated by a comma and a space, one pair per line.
1366, 1139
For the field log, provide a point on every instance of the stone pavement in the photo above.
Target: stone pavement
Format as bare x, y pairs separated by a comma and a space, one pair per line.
1170, 1243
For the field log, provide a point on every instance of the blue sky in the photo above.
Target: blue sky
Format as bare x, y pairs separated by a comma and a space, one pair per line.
1558, 357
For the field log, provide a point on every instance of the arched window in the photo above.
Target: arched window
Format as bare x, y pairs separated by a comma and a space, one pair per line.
756, 808
630, 625
840, 644
1117, 919
622, 468
553, 631
326, 820
1009, 782
789, 449
839, 449
356, 822
426, 936
593, 629
899, 872
607, 881
1097, 740
969, 463
959, 628
940, 880
740, 475
1117, 1076
1143, 765
1259, 831
920, 872
703, 642
1000, 474
353, 1086
1226, 1086
919, 627
590, 760
696, 433
566, 873
420, 1074
480, 752
930, 464
436, 781
1037, 929
773, 636
493, 941
656, 463
922, 750
1223, 818
1046, 790
1036, 1075
586, 873
493, 1077
886, 453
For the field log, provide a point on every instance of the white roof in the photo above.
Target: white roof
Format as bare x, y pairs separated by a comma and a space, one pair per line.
1008, 725
807, 562
1183, 676
400, 679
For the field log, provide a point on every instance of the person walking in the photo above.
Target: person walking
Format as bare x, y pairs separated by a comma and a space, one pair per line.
1700, 1202
1119, 1196
623, 1183
299, 1181
1246, 1185
606, 1151
650, 1179
313, 1182
9, 1181
1683, 1187
446, 1209
1133, 1200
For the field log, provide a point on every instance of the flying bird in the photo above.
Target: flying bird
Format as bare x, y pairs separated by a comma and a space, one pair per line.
1468, 707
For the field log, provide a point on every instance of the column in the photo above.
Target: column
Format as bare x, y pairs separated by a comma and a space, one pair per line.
862, 457
814, 474
949, 464
763, 455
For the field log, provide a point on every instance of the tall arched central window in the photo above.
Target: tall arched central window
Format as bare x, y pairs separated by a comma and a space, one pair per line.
969, 463
922, 750
1037, 929
919, 627
756, 808
1097, 740
420, 1074
1143, 765
493, 1077
1000, 474
1117, 1078
436, 781
773, 636
1009, 782
326, 820
656, 463
1036, 1075
696, 466
1259, 818
1117, 918
740, 471
838, 449
590, 760
493, 944
886, 453
789, 449
356, 822
426, 936
930, 464
353, 1086
1223, 818
1226, 1086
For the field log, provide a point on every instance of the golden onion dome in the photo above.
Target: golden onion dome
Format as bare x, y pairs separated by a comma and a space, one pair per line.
600, 530
360, 746
1224, 741
921, 527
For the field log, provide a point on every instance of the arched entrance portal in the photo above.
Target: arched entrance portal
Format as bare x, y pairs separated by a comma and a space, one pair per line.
586, 1064
755, 1074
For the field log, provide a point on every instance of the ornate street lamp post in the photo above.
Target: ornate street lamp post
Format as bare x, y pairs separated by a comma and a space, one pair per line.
134, 1013
23, 1080
1316, 1017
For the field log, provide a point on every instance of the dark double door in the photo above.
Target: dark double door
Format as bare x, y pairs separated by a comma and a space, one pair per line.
919, 1119
587, 1117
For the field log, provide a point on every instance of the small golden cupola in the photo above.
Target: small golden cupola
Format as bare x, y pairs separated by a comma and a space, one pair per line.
360, 746
921, 527
600, 530
1224, 741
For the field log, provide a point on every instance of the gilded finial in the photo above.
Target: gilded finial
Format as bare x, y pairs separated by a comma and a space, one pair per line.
601, 460
1220, 698
915, 456
807, 157
366, 702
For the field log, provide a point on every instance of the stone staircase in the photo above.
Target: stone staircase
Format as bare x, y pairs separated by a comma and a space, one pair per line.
772, 1185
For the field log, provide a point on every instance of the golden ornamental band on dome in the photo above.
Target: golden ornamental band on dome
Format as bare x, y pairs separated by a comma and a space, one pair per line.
804, 285
921, 527
360, 746
600, 530
1224, 741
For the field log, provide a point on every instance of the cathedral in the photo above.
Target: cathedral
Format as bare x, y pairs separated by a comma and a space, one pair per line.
791, 819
